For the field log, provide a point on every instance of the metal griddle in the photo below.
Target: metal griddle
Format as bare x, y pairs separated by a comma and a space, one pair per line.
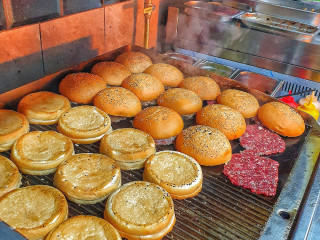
221, 210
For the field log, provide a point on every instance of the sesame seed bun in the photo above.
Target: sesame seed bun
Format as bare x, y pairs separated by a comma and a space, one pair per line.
112, 73
40, 153
244, 102
205, 144
90, 227
12, 126
205, 87
282, 119
226, 119
169, 75
136, 62
10, 175
182, 101
43, 107
87, 178
118, 101
81, 87
129, 147
159, 122
34, 211
176, 172
154, 215
146, 87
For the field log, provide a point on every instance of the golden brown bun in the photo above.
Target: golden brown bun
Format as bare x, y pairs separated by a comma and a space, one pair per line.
40, 153
282, 119
43, 107
144, 86
169, 75
118, 101
205, 144
84, 124
84, 227
10, 177
244, 102
159, 122
34, 211
81, 87
182, 101
176, 172
226, 119
136, 62
87, 178
12, 126
112, 73
128, 145
205, 87
140, 208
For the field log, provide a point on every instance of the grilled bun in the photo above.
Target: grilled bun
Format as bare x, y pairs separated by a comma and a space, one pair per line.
84, 227
169, 75
33, 211
206, 88
87, 178
159, 122
40, 153
118, 101
226, 119
10, 176
12, 126
140, 210
244, 102
129, 147
112, 73
144, 86
281, 119
84, 124
205, 144
81, 87
176, 172
43, 107
182, 101
136, 62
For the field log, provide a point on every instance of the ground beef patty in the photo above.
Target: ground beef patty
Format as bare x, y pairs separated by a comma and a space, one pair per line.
259, 174
260, 140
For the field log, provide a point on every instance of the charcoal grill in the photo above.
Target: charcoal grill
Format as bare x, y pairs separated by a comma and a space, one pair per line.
221, 210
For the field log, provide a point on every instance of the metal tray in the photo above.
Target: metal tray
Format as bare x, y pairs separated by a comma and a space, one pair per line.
211, 10
181, 57
216, 68
221, 210
278, 25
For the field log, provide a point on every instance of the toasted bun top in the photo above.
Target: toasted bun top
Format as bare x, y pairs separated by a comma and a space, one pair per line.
159, 122
43, 105
139, 208
33, 211
84, 227
244, 102
226, 119
12, 126
181, 100
205, 144
118, 101
81, 87
112, 73
146, 87
282, 119
169, 75
9, 176
136, 62
205, 87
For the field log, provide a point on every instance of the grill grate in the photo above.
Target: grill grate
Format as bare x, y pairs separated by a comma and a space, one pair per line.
296, 87
220, 211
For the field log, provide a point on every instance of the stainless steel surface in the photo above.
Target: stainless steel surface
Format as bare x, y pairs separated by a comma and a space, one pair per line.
246, 5
211, 10
8, 233
278, 25
216, 68
181, 57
